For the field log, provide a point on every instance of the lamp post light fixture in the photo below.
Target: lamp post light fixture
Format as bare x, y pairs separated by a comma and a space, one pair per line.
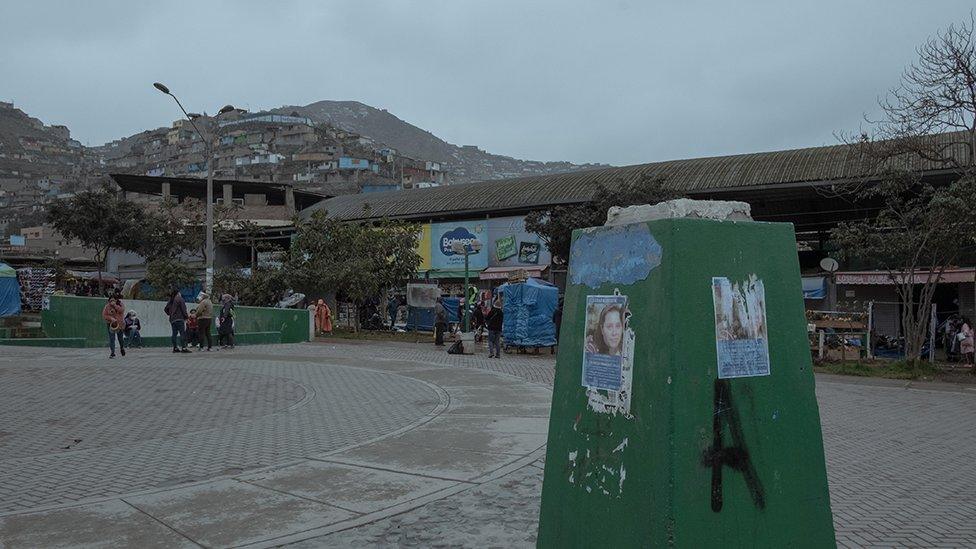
209, 144
467, 249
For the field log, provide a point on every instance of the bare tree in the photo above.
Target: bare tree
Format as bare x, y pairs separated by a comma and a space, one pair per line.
929, 120
924, 224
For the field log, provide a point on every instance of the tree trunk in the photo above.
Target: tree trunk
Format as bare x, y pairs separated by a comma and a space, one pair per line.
99, 263
908, 319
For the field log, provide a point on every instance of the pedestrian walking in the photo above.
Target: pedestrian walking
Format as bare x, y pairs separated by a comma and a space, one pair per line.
478, 321
112, 314
440, 322
133, 330
966, 344
392, 305
323, 317
494, 323
226, 331
176, 311
557, 320
205, 319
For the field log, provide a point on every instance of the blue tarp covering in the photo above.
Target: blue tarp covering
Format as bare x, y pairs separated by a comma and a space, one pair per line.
423, 319
9, 291
814, 287
528, 309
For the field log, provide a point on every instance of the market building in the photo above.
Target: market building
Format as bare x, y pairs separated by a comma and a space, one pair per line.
800, 186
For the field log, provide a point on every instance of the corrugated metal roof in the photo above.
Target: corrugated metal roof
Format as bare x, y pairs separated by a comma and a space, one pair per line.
835, 163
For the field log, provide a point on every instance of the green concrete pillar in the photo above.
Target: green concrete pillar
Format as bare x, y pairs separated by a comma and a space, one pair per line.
683, 412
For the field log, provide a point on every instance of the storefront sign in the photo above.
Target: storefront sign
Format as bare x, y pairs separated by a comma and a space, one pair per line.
529, 252
445, 235
505, 247
510, 245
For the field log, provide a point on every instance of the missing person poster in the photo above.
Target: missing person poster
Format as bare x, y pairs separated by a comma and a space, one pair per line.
608, 353
740, 327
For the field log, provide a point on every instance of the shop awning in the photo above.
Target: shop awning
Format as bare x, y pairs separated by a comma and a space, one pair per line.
814, 287
444, 273
83, 275
502, 273
879, 278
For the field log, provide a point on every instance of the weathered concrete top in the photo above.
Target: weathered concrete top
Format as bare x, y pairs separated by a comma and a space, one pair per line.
722, 210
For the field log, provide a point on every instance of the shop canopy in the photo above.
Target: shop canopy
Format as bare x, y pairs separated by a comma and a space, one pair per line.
9, 291
502, 273
448, 273
814, 287
83, 275
949, 276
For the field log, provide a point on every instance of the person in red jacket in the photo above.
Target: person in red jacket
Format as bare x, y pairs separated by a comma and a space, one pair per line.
113, 314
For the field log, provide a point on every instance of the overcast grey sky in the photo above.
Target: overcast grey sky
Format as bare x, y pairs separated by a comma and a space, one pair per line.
616, 81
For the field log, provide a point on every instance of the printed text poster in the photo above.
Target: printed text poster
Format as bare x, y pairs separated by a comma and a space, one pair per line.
740, 327
608, 353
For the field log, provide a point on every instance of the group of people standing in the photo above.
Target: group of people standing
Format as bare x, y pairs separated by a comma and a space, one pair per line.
487, 314
188, 327
960, 339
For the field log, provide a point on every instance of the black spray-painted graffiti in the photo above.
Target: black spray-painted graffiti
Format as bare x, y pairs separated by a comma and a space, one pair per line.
735, 456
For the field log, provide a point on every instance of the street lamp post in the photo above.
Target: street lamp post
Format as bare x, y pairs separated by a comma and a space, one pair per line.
208, 283
466, 249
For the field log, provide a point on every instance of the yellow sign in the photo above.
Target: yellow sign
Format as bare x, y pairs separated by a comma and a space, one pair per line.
423, 247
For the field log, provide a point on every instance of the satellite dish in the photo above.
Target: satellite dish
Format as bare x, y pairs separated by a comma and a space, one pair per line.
829, 264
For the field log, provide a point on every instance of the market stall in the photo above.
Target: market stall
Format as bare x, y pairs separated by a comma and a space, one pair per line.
9, 291
529, 308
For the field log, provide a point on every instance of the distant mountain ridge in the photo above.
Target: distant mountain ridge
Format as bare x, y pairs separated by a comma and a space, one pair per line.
465, 163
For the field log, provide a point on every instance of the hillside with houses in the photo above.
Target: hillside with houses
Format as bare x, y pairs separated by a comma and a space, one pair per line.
327, 147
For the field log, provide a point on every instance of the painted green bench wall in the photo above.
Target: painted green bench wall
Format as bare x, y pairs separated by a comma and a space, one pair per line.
81, 317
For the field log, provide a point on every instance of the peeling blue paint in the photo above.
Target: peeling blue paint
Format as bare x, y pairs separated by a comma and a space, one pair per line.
616, 255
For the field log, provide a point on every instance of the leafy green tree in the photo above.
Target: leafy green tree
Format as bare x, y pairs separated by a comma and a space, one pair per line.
100, 220
263, 287
179, 228
166, 273
357, 261
555, 226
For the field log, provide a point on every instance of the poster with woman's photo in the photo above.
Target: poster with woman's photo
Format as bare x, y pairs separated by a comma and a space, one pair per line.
740, 327
608, 353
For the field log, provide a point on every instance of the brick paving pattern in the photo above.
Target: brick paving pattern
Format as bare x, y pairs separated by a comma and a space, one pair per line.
899, 460
223, 415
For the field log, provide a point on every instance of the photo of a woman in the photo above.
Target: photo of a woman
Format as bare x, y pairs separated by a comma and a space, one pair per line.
608, 352
606, 338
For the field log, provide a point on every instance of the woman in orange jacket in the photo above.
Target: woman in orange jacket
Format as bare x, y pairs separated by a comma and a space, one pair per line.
114, 316
323, 317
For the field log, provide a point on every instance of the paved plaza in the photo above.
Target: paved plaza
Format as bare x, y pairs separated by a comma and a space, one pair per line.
351, 444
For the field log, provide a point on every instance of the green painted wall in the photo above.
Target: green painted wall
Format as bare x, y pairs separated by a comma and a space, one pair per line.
81, 317
46, 342
646, 480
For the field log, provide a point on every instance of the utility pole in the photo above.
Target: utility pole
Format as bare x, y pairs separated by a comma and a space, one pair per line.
209, 143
